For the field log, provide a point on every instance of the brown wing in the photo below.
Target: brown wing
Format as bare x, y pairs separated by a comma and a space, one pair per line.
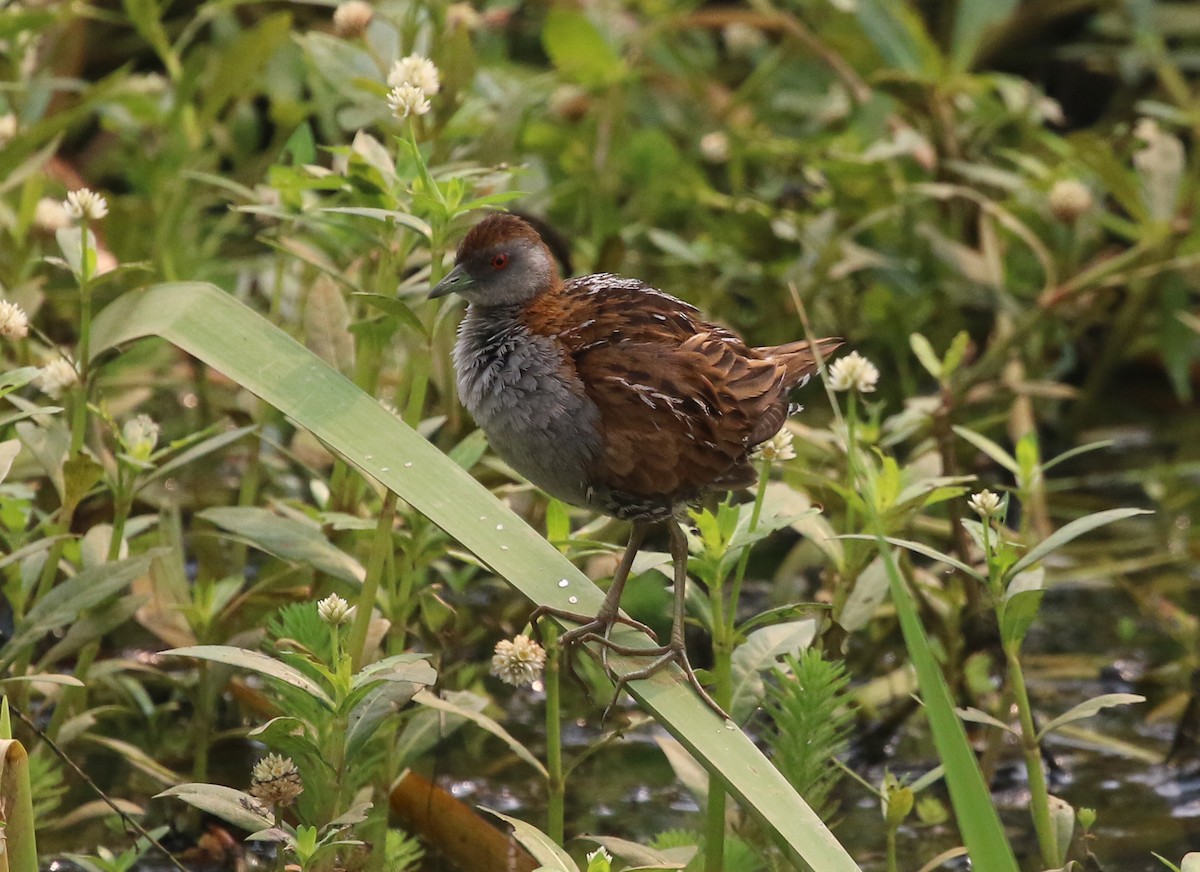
681, 401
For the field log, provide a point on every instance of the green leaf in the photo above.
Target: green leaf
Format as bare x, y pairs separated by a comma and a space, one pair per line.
71, 598
327, 325
974, 19
9, 450
975, 813
926, 355
761, 651
398, 309
579, 50
255, 661
990, 448
229, 805
1020, 610
551, 857
1072, 531
208, 323
898, 33
287, 538
433, 701
1089, 708
637, 856
922, 548
974, 715
412, 222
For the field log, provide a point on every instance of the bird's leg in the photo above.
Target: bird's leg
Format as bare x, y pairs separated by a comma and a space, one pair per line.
600, 626
676, 651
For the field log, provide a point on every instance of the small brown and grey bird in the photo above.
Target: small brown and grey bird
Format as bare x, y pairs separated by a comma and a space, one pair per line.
609, 394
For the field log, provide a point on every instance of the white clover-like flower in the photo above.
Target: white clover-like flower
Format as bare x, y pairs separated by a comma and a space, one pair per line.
56, 377
276, 780
853, 373
714, 146
14, 323
518, 661
1069, 199
141, 436
351, 18
50, 215
985, 504
777, 449
8, 128
406, 99
335, 610
85, 203
462, 16
418, 71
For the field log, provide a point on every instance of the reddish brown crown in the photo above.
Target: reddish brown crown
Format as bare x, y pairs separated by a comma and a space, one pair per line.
497, 229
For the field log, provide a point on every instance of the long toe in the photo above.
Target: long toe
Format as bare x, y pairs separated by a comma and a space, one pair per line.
666, 656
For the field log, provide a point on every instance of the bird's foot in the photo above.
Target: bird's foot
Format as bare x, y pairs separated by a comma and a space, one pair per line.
663, 657
598, 628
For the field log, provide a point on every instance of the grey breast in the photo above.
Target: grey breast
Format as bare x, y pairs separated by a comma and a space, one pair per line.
510, 381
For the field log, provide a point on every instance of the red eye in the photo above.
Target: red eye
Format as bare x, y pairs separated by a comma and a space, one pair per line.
500, 261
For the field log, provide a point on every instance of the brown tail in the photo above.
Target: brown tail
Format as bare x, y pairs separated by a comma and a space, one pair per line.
799, 358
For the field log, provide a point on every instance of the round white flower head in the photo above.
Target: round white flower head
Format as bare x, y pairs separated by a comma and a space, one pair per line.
351, 18
406, 99
778, 448
141, 436
335, 610
50, 215
985, 504
8, 128
853, 373
85, 203
416, 70
276, 780
518, 661
56, 377
14, 323
714, 147
1069, 199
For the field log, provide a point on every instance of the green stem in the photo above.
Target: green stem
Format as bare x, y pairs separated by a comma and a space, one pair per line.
122, 505
892, 860
1039, 795
714, 816
556, 785
760, 494
380, 545
79, 411
203, 722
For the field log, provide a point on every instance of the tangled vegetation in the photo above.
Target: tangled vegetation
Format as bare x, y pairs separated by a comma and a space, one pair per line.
255, 585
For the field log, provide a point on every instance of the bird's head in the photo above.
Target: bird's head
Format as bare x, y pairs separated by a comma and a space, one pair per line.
501, 261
